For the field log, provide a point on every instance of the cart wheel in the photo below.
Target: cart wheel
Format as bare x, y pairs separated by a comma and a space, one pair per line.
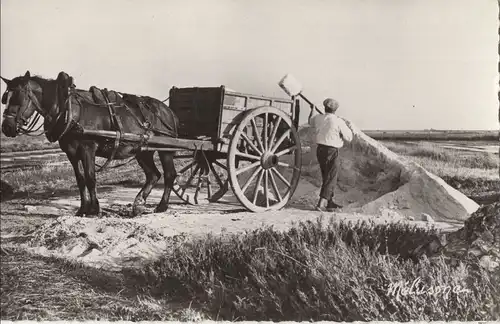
267, 147
201, 176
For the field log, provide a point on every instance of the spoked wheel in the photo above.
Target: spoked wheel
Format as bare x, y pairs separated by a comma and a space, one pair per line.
264, 159
201, 176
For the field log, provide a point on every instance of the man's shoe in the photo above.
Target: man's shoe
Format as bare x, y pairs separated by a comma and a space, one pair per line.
332, 206
319, 208
322, 204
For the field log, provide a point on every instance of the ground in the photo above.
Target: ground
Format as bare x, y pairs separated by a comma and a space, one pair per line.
116, 240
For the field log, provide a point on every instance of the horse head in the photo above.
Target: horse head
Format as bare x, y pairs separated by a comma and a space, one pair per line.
20, 104
26, 95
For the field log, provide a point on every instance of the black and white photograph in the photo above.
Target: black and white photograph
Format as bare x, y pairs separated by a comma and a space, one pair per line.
232, 160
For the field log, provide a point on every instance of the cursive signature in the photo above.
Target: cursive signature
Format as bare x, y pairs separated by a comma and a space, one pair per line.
418, 288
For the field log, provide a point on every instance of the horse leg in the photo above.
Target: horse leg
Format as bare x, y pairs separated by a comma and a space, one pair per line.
147, 163
80, 181
88, 162
169, 175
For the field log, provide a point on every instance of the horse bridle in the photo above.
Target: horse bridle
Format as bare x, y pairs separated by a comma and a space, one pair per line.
32, 100
18, 117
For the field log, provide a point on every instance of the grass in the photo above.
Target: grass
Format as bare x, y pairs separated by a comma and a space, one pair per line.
469, 172
48, 178
51, 177
472, 173
423, 135
314, 271
41, 288
333, 272
427, 151
25, 143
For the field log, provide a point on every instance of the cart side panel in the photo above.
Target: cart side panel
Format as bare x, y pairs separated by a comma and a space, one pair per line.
198, 111
236, 104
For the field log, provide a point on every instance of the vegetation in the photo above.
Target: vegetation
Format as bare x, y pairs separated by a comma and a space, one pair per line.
25, 143
41, 288
314, 271
473, 173
469, 172
434, 135
450, 158
56, 178
337, 272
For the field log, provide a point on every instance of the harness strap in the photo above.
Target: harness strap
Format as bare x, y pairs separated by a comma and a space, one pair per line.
146, 125
148, 107
67, 112
156, 116
119, 132
69, 115
31, 126
112, 156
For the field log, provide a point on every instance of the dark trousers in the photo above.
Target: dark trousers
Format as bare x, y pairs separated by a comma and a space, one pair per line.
328, 159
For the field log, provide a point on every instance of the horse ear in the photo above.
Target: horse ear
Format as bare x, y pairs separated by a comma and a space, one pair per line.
5, 80
27, 75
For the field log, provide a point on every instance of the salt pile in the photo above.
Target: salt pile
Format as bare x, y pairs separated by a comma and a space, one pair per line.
374, 180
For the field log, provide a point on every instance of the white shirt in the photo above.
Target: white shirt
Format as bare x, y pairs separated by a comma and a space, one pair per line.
330, 130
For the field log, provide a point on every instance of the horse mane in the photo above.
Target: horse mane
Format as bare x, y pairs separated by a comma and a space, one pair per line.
41, 80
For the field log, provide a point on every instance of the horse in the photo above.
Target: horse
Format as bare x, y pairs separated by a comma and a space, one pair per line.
67, 110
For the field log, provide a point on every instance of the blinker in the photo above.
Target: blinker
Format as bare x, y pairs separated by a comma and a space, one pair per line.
5, 97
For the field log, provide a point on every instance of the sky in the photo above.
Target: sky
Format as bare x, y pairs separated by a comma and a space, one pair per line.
391, 64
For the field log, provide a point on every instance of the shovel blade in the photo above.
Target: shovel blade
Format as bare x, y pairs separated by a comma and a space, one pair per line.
290, 85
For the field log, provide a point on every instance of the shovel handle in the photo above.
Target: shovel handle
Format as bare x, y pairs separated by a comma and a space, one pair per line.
310, 103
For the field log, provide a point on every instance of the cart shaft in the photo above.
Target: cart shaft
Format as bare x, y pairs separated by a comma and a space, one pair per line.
163, 142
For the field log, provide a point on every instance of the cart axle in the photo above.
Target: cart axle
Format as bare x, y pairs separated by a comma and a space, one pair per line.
269, 160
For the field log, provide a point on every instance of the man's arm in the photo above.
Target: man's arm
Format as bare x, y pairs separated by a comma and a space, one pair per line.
345, 131
311, 117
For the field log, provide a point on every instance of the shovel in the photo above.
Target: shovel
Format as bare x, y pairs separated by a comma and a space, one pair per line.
293, 88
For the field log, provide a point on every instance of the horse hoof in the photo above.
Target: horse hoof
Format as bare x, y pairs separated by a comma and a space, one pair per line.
81, 212
93, 212
138, 210
161, 209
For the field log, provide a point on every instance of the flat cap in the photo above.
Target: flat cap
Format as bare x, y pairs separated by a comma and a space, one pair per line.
331, 104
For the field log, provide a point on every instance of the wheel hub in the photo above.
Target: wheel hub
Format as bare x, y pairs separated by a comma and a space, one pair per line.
269, 160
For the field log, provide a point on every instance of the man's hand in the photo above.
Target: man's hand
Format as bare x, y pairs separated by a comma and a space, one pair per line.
312, 111
311, 114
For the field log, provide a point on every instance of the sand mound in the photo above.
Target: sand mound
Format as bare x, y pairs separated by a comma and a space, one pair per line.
375, 180
104, 243
112, 243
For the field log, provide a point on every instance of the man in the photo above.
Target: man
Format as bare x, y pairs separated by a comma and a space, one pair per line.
331, 132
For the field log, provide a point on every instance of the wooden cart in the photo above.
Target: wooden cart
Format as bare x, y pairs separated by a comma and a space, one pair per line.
227, 138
